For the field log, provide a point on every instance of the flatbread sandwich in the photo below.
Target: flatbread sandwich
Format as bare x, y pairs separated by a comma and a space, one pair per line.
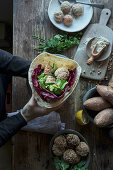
52, 79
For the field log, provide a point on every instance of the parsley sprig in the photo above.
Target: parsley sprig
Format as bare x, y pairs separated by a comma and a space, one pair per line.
58, 43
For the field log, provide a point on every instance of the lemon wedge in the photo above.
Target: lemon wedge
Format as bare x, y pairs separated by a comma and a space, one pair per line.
81, 118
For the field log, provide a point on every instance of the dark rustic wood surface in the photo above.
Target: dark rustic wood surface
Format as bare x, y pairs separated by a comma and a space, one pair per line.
31, 150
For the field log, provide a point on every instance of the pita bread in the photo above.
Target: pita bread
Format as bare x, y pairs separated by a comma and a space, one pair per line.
47, 58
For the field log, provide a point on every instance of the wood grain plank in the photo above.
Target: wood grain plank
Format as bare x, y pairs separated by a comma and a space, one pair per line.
30, 150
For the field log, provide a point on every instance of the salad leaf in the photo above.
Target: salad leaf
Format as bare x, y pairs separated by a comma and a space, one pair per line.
51, 88
55, 89
61, 83
49, 83
42, 79
79, 166
57, 162
54, 68
64, 165
41, 75
60, 164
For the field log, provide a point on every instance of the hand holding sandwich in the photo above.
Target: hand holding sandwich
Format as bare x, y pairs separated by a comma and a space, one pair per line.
32, 110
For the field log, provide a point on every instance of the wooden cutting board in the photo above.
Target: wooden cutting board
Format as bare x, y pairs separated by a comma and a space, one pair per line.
97, 70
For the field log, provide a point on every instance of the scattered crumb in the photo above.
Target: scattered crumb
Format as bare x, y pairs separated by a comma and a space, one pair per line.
93, 70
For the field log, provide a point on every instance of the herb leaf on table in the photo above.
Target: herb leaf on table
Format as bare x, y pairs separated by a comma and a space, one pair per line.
58, 43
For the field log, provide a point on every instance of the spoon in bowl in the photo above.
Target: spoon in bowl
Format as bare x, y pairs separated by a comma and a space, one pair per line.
72, 2
93, 53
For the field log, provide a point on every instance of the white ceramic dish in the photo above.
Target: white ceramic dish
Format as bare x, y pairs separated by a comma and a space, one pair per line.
78, 24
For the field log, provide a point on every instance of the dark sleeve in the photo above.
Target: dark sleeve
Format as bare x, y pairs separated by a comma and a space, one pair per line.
10, 126
13, 65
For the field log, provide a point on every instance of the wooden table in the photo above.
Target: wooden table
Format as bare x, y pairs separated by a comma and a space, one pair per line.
30, 150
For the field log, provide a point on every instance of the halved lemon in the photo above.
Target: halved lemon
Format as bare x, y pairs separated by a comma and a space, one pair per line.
81, 118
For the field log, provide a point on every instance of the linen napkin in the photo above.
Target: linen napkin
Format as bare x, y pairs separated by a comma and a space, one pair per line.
48, 124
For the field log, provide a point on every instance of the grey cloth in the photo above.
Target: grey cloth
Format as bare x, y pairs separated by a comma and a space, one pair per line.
48, 124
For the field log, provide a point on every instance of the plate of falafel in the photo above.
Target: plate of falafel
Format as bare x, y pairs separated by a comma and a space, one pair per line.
69, 150
69, 18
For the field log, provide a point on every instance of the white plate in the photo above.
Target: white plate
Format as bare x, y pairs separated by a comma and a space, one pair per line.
78, 24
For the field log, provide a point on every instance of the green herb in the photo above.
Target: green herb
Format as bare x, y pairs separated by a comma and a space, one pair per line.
42, 79
55, 89
60, 164
51, 88
49, 83
61, 83
58, 43
79, 166
57, 162
54, 68
41, 75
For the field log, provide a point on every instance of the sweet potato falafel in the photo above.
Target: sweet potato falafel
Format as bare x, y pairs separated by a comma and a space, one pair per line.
65, 7
60, 142
72, 140
58, 151
82, 149
50, 79
47, 69
68, 20
77, 10
58, 16
62, 73
71, 157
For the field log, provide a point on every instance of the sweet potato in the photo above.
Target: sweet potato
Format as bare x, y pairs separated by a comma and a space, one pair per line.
104, 118
96, 104
106, 92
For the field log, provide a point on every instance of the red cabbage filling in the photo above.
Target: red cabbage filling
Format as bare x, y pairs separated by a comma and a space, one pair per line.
46, 95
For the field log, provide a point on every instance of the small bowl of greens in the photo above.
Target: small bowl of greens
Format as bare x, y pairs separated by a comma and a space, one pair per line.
69, 150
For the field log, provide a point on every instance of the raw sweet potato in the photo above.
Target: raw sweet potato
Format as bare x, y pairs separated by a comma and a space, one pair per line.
96, 104
104, 118
106, 92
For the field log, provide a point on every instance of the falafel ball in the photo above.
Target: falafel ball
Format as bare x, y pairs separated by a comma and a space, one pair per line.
47, 69
58, 151
58, 16
60, 142
65, 7
82, 149
62, 73
68, 20
77, 10
71, 157
72, 140
50, 79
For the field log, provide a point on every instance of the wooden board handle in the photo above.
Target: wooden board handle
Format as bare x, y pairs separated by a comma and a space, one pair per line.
104, 17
